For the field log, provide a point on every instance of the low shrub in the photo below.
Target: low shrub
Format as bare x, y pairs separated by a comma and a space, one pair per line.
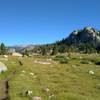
97, 63
85, 62
61, 59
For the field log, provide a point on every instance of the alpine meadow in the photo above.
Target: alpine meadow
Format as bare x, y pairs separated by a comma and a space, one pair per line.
49, 50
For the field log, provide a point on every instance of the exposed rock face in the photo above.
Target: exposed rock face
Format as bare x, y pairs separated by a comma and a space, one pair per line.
17, 54
87, 35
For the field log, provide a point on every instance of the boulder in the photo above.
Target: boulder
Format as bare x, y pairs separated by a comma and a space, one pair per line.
3, 67
17, 54
91, 72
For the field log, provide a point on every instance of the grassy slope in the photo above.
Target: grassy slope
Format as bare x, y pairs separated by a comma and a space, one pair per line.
66, 81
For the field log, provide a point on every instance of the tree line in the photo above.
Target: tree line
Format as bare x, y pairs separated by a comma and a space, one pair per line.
53, 49
3, 49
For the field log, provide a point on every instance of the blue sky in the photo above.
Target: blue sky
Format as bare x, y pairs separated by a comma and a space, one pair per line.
45, 21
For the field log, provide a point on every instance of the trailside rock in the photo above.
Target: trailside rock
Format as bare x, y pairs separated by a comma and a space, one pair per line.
3, 67
91, 72
36, 98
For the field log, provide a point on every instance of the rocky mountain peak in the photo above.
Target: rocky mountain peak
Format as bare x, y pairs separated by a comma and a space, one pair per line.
87, 34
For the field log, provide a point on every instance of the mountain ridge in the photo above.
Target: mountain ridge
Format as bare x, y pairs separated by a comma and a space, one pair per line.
87, 37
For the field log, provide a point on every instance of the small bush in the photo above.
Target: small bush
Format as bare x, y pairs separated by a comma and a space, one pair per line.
97, 63
61, 59
85, 62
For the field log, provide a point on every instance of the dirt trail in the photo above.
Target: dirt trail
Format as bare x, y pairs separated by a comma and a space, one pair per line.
4, 85
4, 89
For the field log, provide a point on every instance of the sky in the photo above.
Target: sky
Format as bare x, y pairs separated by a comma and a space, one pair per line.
45, 21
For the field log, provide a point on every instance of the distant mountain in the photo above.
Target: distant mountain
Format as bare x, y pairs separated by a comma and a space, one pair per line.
21, 48
17, 47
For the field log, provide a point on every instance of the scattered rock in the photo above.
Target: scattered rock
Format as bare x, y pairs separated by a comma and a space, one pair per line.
46, 90
91, 72
36, 98
5, 56
16, 54
31, 73
51, 96
28, 92
49, 59
97, 66
23, 71
35, 61
42, 62
3, 67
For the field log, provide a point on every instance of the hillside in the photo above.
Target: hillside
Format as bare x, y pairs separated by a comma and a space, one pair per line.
86, 35
86, 40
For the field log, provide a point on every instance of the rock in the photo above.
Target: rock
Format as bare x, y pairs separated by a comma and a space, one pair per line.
97, 66
42, 62
36, 98
31, 73
91, 72
49, 59
23, 71
16, 54
28, 93
5, 56
81, 57
47, 90
51, 96
3, 67
86, 35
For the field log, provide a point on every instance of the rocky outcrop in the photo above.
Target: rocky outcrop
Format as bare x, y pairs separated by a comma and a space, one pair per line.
86, 35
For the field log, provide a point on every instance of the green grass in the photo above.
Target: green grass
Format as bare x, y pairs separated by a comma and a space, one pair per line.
68, 81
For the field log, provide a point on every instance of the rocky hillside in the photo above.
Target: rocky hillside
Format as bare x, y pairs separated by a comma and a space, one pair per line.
86, 35
84, 40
